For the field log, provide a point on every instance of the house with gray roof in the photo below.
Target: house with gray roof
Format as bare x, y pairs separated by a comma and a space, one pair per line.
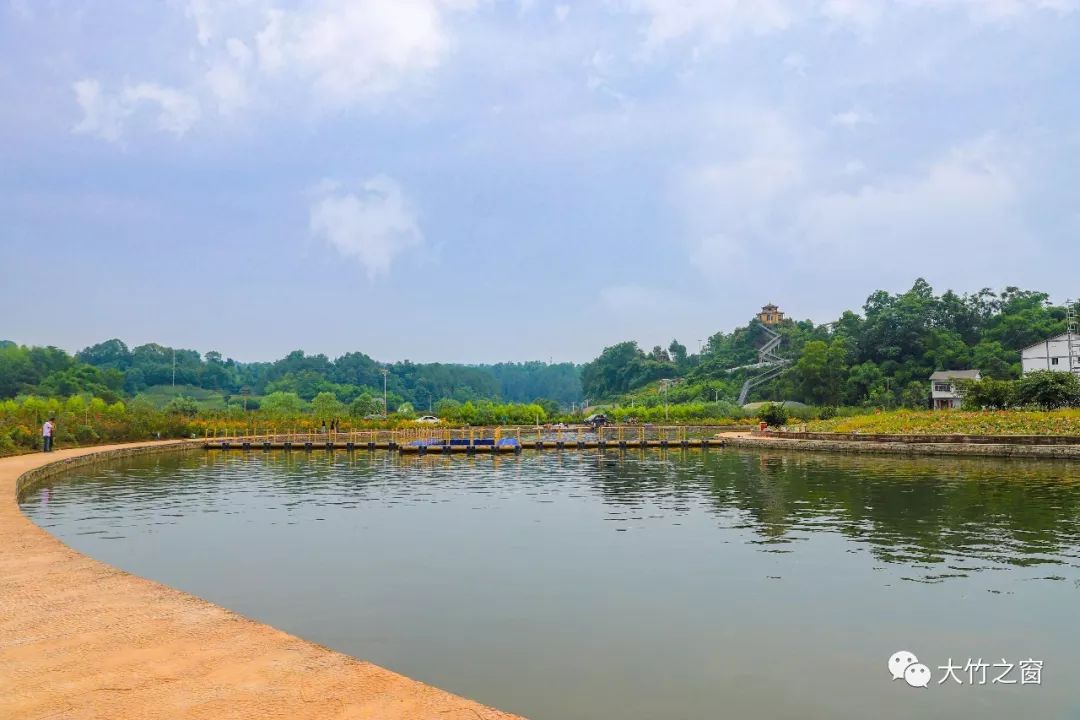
943, 388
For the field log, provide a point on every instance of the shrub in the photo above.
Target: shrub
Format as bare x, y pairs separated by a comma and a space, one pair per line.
827, 413
773, 415
988, 393
182, 405
86, 435
1048, 389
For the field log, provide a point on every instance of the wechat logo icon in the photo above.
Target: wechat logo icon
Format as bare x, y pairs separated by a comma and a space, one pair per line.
903, 665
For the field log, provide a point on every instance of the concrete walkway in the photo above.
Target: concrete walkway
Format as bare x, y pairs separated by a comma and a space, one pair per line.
79, 639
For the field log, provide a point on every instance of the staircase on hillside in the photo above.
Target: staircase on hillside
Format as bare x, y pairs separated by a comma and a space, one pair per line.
769, 362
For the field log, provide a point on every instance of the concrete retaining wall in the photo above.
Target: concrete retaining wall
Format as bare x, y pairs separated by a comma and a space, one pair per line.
908, 447
958, 439
66, 464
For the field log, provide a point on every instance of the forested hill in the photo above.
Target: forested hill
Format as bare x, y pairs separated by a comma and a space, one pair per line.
883, 356
111, 369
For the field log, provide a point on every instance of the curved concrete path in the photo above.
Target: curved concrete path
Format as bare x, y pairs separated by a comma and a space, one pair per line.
80, 639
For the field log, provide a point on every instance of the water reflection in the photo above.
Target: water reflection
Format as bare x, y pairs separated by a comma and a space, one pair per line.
632, 584
943, 518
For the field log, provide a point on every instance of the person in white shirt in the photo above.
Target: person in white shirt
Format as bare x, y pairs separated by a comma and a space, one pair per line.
47, 435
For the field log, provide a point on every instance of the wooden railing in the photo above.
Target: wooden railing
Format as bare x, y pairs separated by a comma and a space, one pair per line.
524, 435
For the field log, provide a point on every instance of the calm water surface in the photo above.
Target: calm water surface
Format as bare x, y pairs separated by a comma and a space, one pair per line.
647, 584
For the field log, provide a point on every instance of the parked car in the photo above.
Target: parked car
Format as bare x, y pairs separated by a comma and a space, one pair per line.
597, 420
429, 419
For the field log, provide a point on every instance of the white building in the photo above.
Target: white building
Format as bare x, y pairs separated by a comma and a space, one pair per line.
1052, 354
943, 387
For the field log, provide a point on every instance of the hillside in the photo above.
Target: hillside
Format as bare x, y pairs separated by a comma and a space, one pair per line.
881, 357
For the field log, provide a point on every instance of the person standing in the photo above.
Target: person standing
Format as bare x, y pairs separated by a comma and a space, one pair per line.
47, 435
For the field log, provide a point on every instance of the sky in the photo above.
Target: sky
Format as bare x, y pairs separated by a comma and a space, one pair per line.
485, 180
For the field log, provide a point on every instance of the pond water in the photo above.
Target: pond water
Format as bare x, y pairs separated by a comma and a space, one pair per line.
643, 584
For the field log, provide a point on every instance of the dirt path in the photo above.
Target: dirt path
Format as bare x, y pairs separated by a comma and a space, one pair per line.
79, 639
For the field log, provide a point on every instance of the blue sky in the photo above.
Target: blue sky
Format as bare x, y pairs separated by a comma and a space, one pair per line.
475, 181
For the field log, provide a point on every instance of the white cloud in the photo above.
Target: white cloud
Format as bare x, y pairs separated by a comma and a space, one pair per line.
372, 226
761, 157
717, 21
562, 12
106, 116
861, 15
637, 301
964, 207
201, 13
350, 51
853, 167
336, 53
998, 10
709, 21
796, 63
228, 79
716, 254
102, 115
743, 189
229, 87
851, 118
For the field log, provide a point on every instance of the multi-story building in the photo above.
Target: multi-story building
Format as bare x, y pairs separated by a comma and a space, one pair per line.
1054, 354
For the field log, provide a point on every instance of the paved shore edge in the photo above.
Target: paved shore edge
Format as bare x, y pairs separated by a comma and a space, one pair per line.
1059, 452
81, 639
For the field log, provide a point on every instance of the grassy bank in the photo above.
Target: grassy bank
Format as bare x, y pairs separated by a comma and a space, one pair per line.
927, 422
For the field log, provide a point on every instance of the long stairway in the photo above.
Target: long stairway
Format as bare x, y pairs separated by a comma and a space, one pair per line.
770, 363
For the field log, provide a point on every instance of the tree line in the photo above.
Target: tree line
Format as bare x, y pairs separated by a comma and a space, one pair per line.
880, 357
112, 371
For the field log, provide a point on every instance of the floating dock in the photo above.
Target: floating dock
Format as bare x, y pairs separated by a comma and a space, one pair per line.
471, 441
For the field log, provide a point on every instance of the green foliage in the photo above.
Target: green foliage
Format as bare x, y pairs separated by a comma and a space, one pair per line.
1041, 389
365, 404
282, 404
987, 393
882, 358
182, 406
326, 406
624, 367
1048, 390
111, 369
774, 415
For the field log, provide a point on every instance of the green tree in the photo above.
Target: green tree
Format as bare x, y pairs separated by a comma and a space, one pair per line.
988, 393
363, 405
326, 406
821, 370
1048, 389
182, 405
282, 405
